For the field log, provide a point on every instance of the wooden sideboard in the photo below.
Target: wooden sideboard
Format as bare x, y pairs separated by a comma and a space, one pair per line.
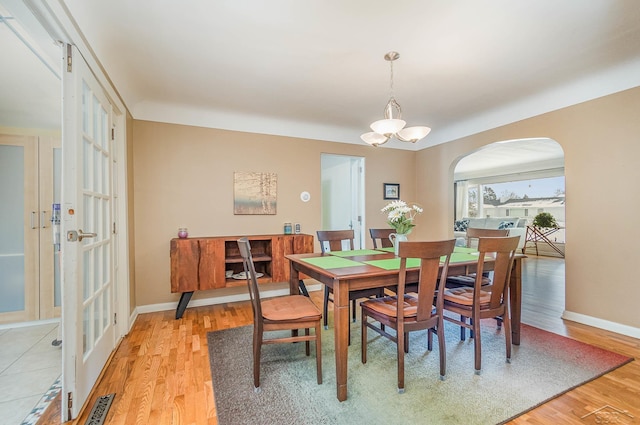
201, 263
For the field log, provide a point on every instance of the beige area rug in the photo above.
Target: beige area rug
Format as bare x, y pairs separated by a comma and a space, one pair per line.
544, 366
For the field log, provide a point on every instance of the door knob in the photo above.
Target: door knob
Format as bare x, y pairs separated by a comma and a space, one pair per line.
73, 236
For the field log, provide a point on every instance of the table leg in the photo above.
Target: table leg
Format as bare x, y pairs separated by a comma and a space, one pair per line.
294, 287
515, 292
341, 331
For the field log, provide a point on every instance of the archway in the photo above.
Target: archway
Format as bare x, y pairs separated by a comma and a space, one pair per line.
515, 180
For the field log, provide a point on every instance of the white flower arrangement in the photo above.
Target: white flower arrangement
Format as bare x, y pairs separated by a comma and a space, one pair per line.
400, 216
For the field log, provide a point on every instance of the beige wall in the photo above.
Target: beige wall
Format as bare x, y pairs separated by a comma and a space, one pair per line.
183, 176
601, 141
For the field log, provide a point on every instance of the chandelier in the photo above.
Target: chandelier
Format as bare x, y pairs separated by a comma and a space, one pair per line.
393, 124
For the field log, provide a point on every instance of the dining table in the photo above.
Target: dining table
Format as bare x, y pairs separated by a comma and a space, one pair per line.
345, 271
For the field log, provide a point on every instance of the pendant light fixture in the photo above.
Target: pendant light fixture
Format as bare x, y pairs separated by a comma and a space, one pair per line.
393, 124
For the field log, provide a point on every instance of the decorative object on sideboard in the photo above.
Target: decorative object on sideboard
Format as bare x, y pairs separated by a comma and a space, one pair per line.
393, 125
183, 233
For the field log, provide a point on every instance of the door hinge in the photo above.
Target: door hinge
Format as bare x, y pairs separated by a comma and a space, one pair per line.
115, 318
114, 227
113, 134
69, 404
69, 59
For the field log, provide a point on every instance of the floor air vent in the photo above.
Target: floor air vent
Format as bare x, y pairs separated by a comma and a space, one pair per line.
100, 409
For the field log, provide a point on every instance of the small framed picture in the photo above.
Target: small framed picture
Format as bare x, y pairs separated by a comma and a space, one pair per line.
391, 191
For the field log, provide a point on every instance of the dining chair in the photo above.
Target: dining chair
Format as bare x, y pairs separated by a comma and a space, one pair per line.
483, 302
416, 312
471, 240
332, 240
469, 279
383, 236
291, 312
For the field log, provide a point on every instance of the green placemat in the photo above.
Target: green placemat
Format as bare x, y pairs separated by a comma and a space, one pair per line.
460, 257
464, 249
394, 263
355, 252
389, 249
331, 262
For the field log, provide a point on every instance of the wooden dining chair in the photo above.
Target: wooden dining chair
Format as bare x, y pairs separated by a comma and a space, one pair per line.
332, 240
471, 240
470, 279
291, 312
482, 302
381, 235
416, 312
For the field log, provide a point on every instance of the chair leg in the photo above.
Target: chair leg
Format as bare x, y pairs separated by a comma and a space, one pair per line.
325, 308
463, 331
306, 343
442, 349
477, 345
430, 339
257, 345
363, 338
353, 311
401, 351
319, 352
507, 335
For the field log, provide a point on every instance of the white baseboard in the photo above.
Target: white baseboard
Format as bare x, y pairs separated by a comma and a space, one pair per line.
602, 324
151, 308
55, 320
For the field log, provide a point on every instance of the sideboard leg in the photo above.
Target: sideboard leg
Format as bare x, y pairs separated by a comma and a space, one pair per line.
303, 288
182, 305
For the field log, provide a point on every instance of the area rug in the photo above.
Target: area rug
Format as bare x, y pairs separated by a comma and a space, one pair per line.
544, 366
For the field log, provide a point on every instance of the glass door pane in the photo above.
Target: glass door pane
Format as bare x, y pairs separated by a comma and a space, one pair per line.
19, 221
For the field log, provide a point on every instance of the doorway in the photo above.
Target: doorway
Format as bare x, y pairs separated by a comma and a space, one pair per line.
30, 172
342, 194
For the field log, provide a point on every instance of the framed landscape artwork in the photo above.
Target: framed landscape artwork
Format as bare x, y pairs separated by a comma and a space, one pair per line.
391, 191
254, 193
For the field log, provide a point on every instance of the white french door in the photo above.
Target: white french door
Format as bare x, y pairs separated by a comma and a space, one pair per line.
87, 242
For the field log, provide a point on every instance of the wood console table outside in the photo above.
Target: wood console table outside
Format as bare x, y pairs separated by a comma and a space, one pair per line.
353, 270
537, 234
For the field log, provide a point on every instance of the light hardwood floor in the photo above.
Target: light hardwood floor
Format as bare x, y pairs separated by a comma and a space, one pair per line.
160, 371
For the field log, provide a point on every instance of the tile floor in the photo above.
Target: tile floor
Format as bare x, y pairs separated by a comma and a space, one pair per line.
29, 366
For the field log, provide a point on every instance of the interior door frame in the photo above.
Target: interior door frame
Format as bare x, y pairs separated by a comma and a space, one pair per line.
353, 167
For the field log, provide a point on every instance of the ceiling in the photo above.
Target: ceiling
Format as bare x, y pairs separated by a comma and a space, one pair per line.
315, 68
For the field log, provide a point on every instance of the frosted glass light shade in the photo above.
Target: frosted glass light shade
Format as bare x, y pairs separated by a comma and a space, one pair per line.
374, 139
388, 127
413, 134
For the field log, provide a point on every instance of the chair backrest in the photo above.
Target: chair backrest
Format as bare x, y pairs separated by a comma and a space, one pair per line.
334, 239
252, 282
475, 233
430, 284
383, 235
503, 250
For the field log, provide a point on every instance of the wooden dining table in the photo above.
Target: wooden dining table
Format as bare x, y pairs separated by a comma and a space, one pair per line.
345, 271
